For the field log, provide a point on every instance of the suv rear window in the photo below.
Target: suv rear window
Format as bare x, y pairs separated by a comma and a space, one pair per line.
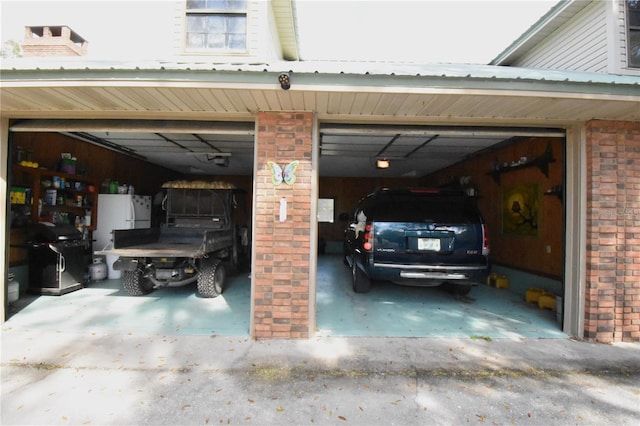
423, 207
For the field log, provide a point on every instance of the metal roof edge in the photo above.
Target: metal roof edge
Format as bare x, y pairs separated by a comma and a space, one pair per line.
320, 73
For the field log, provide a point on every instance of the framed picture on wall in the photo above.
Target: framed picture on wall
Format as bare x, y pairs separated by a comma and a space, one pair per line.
521, 210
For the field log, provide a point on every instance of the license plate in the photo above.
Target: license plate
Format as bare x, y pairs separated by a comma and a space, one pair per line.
432, 244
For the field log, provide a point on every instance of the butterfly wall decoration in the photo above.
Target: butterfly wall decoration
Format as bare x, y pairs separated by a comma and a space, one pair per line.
278, 175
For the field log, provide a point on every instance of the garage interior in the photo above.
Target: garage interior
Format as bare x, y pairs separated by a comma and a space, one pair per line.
498, 165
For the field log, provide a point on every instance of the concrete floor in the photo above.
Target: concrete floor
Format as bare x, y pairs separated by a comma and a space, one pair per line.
103, 307
388, 310
399, 311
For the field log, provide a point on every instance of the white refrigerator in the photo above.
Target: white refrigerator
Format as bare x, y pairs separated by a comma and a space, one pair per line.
120, 211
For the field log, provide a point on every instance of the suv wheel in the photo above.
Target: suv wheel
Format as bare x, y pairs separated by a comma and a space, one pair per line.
361, 283
462, 289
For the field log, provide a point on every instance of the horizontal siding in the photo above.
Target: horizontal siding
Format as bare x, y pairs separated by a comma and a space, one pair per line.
580, 45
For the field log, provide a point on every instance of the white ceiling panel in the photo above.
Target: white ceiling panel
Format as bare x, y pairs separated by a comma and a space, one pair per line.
346, 149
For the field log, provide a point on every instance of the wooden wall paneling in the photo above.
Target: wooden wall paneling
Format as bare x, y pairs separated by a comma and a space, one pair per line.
527, 253
95, 161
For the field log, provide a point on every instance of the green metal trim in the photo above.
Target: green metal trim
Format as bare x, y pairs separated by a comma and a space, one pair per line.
617, 86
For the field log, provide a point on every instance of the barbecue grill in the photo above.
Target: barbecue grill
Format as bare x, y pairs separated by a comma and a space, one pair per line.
57, 259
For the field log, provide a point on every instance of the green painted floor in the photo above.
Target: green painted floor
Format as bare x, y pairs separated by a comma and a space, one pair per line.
104, 307
388, 310
399, 311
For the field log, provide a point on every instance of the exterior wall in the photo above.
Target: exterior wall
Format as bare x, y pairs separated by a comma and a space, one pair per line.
579, 45
281, 261
262, 42
612, 305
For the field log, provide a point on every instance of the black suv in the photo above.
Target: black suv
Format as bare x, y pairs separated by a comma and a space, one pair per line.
417, 236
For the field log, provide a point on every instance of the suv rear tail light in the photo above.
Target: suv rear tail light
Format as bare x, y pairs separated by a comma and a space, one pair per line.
485, 241
367, 245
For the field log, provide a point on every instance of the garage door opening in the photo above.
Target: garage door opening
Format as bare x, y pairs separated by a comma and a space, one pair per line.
516, 175
139, 157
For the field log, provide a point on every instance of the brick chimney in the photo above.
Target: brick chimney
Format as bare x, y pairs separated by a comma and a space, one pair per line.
57, 40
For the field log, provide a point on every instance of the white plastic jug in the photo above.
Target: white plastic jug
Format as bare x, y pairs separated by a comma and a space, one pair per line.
113, 274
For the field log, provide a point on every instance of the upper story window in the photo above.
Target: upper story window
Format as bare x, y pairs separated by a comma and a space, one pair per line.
633, 26
219, 25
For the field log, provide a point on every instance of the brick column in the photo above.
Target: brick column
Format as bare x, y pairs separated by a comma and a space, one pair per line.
612, 305
280, 305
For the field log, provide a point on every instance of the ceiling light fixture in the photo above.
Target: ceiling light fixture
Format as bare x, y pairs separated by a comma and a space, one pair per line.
382, 163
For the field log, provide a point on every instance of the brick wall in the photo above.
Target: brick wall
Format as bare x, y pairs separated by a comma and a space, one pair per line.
53, 41
281, 270
612, 306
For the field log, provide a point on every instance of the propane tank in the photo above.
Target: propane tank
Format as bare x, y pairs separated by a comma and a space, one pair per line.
14, 289
97, 270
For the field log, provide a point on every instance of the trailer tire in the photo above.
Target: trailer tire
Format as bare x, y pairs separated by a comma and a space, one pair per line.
135, 284
235, 257
233, 260
211, 278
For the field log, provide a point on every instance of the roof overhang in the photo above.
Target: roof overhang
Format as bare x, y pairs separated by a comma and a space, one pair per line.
183, 115
284, 17
359, 92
